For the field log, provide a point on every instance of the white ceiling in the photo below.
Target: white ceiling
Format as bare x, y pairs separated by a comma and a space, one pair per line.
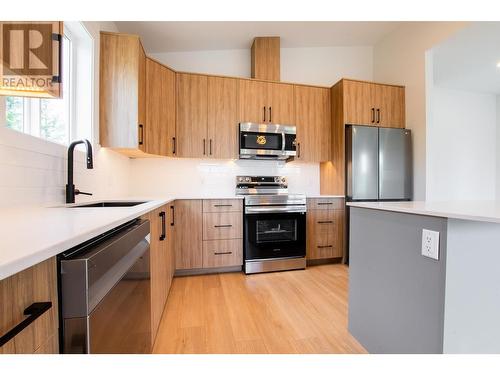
159, 37
468, 60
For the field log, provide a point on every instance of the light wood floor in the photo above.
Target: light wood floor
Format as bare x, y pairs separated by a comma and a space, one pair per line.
281, 312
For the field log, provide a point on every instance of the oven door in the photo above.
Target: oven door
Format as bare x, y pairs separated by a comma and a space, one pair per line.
271, 235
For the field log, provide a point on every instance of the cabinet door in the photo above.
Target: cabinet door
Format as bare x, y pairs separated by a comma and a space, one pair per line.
312, 105
281, 104
222, 118
188, 234
17, 292
390, 104
159, 132
252, 101
191, 127
158, 268
122, 90
359, 105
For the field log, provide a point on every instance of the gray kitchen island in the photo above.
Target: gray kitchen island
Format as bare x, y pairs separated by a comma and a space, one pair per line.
401, 301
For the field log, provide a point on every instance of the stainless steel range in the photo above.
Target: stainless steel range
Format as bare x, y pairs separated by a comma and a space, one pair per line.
275, 224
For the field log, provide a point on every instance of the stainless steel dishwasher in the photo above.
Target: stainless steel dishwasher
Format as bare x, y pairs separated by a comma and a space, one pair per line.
105, 290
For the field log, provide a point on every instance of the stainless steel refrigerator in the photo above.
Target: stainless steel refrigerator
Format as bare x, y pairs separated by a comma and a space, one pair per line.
378, 164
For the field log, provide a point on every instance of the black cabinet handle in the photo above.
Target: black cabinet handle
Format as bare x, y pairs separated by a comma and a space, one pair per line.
324, 246
324, 203
325, 222
298, 150
223, 253
378, 115
33, 311
141, 134
173, 145
270, 114
373, 115
173, 216
223, 205
210, 147
163, 229
223, 226
264, 114
204, 146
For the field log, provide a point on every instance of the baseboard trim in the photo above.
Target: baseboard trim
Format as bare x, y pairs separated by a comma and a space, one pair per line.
205, 271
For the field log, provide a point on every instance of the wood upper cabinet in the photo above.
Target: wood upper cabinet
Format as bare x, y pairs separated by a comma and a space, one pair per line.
253, 103
36, 284
222, 132
159, 131
188, 234
122, 93
390, 104
313, 120
192, 115
367, 103
266, 102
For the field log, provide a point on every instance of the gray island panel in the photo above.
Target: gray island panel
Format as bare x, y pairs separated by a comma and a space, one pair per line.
396, 295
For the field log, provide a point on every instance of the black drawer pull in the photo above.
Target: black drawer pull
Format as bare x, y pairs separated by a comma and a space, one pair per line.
223, 205
223, 226
173, 216
325, 222
224, 253
33, 311
324, 203
324, 246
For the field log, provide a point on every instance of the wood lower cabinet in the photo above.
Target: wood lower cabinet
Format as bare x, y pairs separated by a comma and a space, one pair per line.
188, 234
33, 285
122, 93
161, 259
208, 233
325, 228
313, 121
222, 253
159, 131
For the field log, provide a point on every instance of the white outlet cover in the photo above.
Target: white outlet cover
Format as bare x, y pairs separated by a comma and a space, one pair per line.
430, 244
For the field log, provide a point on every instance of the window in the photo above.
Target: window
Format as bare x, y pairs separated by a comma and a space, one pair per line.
68, 118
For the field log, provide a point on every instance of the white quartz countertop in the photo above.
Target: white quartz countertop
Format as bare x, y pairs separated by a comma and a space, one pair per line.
30, 235
488, 211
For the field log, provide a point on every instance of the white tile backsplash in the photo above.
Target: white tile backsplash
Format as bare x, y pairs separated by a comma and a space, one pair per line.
199, 177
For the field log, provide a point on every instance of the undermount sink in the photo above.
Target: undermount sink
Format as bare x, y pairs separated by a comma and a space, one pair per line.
108, 204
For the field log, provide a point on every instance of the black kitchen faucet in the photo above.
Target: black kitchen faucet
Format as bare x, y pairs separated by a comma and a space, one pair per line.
70, 187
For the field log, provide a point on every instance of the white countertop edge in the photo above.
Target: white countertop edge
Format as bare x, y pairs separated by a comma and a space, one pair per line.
426, 209
29, 259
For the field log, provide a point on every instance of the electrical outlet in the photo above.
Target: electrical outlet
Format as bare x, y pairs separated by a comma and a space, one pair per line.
430, 244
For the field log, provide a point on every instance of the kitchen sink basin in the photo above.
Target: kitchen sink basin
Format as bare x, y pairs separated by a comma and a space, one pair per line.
108, 204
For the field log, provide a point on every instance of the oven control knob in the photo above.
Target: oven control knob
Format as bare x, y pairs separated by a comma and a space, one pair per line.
283, 179
276, 179
247, 179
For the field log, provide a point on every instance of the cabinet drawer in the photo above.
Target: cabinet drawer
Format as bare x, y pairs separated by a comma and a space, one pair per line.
222, 226
222, 205
325, 252
324, 203
222, 253
35, 284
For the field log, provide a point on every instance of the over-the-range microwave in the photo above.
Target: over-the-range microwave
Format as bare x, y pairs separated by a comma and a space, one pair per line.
267, 141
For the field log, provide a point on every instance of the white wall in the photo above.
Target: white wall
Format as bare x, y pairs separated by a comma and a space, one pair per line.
320, 66
214, 178
400, 58
33, 171
461, 145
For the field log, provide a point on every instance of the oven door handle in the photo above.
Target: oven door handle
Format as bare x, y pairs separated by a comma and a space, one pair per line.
275, 209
